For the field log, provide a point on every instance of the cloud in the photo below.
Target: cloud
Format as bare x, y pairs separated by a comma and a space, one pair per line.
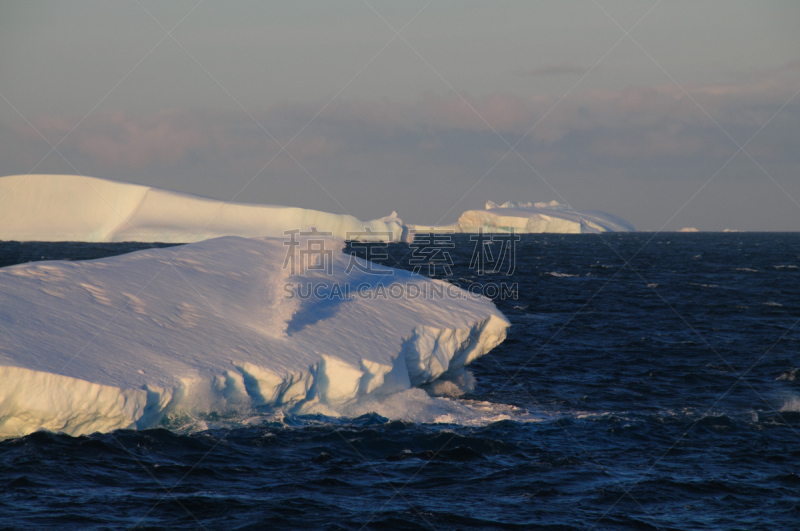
552, 70
637, 122
120, 139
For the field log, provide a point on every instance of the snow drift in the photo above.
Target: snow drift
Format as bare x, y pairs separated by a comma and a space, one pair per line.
122, 341
524, 218
76, 208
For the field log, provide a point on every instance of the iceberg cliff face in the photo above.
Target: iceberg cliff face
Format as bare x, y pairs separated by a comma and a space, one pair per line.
539, 217
122, 341
76, 208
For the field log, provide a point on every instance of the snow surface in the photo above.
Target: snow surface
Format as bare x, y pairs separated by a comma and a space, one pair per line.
525, 218
77, 208
121, 342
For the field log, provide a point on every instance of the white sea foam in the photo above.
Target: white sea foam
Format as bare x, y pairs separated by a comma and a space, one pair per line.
710, 286
415, 405
560, 275
412, 405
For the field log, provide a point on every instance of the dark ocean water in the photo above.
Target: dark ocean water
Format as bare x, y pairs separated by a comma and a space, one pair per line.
659, 394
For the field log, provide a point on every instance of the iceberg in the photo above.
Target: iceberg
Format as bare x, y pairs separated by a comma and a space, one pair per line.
77, 208
524, 218
230, 322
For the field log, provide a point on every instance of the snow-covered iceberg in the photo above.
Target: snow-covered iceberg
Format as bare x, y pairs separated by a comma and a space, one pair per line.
523, 218
77, 208
120, 342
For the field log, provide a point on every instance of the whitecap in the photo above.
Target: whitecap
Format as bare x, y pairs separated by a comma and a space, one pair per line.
560, 275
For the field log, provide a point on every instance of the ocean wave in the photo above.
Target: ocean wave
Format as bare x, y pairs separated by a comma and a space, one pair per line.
710, 286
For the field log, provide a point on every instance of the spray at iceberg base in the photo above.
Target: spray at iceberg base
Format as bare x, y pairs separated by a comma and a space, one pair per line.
128, 341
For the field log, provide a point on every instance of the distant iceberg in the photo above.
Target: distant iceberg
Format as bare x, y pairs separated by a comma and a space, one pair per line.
123, 341
525, 218
76, 208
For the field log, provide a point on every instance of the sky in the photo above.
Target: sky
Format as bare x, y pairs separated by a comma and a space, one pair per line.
669, 114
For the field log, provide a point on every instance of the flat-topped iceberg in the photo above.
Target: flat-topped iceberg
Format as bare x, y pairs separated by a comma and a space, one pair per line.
77, 208
524, 218
122, 341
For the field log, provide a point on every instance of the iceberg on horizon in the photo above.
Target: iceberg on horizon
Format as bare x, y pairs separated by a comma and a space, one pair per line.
529, 218
121, 342
77, 208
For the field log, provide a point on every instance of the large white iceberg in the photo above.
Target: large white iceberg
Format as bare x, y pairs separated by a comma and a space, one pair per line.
122, 341
77, 208
524, 218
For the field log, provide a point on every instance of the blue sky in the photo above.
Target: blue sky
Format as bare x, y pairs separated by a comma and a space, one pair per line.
323, 105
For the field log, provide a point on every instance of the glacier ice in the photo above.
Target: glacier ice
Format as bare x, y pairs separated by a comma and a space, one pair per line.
121, 342
77, 208
523, 218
